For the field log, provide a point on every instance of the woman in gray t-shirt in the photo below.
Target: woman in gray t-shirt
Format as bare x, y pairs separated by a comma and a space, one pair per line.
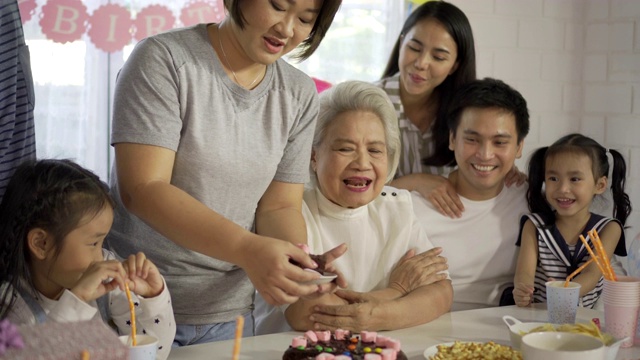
212, 133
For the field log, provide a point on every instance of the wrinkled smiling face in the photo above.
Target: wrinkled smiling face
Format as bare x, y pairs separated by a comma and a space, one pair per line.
351, 163
485, 146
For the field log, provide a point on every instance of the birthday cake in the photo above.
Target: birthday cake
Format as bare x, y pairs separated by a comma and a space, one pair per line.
341, 345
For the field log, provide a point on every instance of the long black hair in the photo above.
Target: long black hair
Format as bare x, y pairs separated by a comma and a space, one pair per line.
459, 28
53, 195
578, 144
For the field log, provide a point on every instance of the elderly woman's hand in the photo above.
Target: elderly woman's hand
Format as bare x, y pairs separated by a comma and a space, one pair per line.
414, 271
515, 177
363, 312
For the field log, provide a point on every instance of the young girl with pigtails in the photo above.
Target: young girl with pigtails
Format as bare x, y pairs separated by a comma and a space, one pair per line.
564, 178
53, 220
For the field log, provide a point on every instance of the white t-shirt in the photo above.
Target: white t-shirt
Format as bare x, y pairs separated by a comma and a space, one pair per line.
479, 246
377, 234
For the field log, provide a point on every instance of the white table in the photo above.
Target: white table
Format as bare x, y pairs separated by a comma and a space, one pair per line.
478, 325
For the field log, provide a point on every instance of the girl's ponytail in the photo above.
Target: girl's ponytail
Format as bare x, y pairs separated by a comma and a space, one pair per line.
621, 202
535, 197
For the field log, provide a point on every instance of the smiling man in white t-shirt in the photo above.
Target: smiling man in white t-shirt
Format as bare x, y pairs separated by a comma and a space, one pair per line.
488, 121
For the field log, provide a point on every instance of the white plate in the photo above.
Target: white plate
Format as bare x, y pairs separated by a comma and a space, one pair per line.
323, 279
433, 350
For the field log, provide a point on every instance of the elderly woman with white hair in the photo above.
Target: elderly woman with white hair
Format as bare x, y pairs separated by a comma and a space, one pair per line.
355, 153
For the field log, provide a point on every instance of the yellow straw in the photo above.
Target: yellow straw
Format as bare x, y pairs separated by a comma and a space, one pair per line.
132, 310
566, 282
593, 256
610, 275
236, 344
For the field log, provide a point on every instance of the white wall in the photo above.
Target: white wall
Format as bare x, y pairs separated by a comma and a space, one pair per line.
577, 62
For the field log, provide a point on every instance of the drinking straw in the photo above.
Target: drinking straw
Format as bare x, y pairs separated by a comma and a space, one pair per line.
236, 344
595, 258
132, 310
85, 355
603, 254
566, 282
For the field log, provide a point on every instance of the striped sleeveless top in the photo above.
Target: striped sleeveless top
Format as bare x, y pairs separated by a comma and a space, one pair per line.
557, 259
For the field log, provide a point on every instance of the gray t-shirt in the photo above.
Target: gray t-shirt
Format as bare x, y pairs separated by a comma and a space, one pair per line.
230, 144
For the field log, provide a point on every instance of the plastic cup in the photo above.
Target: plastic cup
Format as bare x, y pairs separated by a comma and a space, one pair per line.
621, 300
562, 302
621, 322
146, 347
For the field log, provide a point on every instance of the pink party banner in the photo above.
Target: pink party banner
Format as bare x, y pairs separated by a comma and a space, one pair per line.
64, 20
111, 27
27, 9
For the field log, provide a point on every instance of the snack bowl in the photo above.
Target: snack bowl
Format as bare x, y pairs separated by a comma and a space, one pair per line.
517, 329
561, 346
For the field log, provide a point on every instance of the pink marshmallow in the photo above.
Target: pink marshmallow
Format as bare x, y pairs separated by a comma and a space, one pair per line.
323, 336
393, 344
382, 340
325, 356
368, 336
372, 356
342, 357
299, 341
341, 334
389, 354
311, 336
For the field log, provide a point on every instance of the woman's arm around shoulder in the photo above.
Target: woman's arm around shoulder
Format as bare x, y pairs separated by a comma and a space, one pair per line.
436, 189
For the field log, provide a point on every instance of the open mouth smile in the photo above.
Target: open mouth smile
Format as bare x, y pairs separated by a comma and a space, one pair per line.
357, 183
484, 168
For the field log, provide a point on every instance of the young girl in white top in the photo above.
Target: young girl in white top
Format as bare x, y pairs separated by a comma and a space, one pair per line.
573, 171
53, 220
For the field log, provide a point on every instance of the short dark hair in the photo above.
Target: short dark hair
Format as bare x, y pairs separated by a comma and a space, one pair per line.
490, 93
311, 43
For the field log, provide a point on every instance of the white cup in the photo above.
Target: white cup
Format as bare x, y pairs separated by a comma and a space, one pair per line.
145, 349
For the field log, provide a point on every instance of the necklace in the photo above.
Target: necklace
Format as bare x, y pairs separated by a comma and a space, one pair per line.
229, 66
